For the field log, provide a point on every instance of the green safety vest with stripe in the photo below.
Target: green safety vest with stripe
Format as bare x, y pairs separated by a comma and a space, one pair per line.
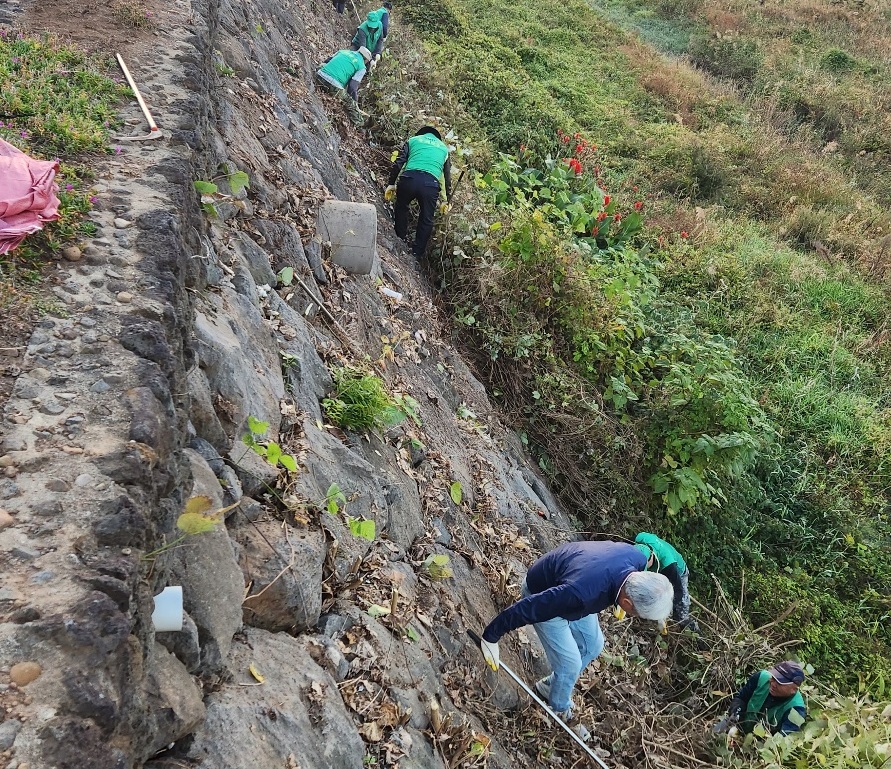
665, 554
426, 153
343, 65
773, 716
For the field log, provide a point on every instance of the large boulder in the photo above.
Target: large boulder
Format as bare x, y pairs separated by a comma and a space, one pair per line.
296, 718
284, 568
175, 703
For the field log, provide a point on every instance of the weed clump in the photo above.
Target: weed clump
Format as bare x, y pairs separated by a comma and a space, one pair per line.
727, 57
837, 60
360, 402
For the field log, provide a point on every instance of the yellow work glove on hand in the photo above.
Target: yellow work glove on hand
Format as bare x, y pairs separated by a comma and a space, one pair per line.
491, 653
390, 193
444, 208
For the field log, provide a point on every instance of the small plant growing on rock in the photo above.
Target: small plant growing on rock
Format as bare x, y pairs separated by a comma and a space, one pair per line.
210, 192
335, 501
437, 567
360, 402
269, 450
197, 517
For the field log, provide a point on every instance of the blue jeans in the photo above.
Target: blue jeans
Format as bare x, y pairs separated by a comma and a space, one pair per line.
570, 647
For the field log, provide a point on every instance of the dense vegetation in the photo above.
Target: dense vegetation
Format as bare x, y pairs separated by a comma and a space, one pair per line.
720, 375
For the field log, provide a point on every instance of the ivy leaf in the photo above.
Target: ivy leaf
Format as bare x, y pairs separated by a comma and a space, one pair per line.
288, 462
286, 276
455, 492
238, 182
256, 426
273, 453
360, 528
437, 566
206, 188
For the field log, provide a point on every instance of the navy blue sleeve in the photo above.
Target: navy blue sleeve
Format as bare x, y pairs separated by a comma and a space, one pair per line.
787, 727
385, 24
539, 607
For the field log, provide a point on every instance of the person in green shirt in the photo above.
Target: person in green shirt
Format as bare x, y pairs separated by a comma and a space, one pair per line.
771, 697
418, 167
372, 32
341, 74
664, 559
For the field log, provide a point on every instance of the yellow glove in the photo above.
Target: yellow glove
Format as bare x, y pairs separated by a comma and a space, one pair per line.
618, 612
390, 193
443, 208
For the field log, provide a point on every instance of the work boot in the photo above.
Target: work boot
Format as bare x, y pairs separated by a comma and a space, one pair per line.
543, 687
570, 718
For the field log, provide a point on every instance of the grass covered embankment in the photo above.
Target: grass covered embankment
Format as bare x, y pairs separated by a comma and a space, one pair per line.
718, 376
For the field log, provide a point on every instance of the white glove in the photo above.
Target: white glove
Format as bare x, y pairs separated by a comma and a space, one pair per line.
390, 193
374, 61
491, 653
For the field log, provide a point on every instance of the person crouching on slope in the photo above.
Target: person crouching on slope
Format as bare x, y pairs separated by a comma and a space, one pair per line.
372, 32
770, 697
341, 74
664, 559
562, 594
418, 166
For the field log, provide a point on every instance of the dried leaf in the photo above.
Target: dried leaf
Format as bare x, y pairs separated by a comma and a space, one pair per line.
371, 731
198, 505
252, 669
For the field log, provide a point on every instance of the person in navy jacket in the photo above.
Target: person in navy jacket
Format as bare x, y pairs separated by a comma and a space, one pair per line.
563, 593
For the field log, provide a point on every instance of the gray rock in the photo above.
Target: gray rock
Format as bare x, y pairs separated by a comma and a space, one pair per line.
255, 259
183, 644
254, 473
298, 711
294, 599
176, 702
100, 387
213, 584
9, 730
202, 413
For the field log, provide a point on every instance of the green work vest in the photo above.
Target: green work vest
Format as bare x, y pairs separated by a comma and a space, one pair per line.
343, 65
373, 29
665, 554
426, 153
774, 716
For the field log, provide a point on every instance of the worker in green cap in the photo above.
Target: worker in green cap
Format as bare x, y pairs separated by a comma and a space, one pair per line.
372, 32
664, 559
423, 159
341, 74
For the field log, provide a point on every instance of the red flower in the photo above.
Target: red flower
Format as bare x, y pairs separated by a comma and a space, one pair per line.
579, 148
565, 139
601, 216
638, 206
606, 200
574, 165
617, 218
684, 234
634, 188
578, 136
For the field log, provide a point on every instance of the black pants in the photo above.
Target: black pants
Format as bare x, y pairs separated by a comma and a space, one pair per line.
339, 5
423, 187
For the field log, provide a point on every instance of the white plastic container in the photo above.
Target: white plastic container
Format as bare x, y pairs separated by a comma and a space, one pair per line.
391, 293
168, 613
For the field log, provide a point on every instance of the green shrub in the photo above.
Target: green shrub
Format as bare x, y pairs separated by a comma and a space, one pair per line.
837, 60
360, 402
731, 58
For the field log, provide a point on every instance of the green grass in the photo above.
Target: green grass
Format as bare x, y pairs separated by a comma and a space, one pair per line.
59, 104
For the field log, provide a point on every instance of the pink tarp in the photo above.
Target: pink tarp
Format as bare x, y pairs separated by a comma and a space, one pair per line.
27, 195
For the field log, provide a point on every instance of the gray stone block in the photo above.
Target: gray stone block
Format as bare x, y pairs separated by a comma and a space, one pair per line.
351, 228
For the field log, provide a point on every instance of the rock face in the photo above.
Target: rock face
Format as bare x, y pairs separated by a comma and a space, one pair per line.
296, 712
138, 400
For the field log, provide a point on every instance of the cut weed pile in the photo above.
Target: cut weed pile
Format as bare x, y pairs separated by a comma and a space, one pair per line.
56, 103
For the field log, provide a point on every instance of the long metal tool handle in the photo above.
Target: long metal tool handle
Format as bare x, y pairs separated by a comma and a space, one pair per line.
145, 109
544, 706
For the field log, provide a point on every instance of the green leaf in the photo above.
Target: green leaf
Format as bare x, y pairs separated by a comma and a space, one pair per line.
376, 610
286, 276
412, 633
288, 462
360, 528
205, 188
437, 567
273, 453
795, 717
455, 492
256, 426
238, 182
